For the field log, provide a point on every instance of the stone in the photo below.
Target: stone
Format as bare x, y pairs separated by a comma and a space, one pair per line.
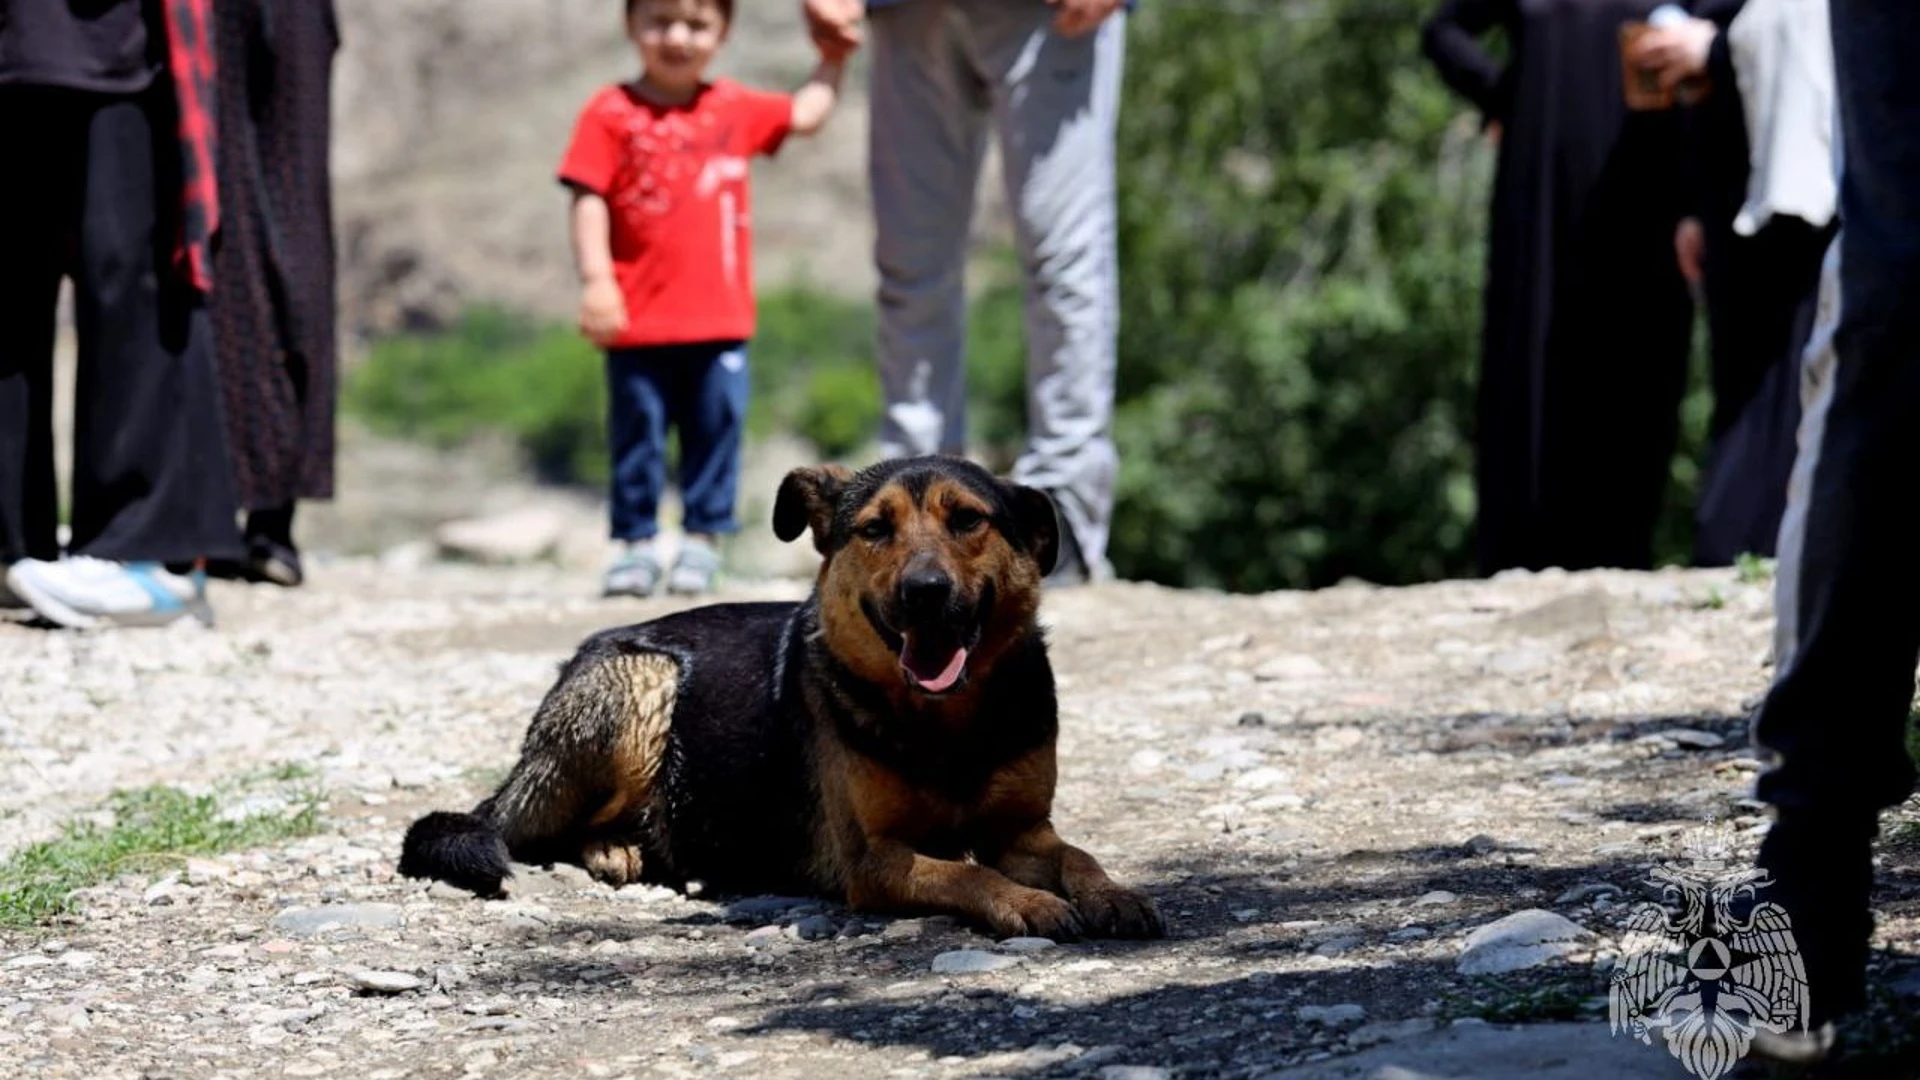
1026, 944
1694, 739
765, 909
1133, 1072
515, 536
1385, 1031
1580, 615
1580, 894
1524, 939
816, 928
971, 962
1264, 778
307, 922
1331, 1015
1290, 666
1435, 898
764, 938
386, 982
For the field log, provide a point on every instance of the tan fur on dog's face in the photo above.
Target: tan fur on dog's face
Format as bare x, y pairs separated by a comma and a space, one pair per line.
926, 520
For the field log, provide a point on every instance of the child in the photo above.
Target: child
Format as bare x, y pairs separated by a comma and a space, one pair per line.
658, 170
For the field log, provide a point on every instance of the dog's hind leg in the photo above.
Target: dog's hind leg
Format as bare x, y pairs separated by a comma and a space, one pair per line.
586, 772
581, 786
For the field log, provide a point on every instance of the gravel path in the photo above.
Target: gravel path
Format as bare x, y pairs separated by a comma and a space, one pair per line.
1325, 791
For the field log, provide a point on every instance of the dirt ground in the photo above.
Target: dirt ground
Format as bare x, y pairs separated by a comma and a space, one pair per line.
1325, 791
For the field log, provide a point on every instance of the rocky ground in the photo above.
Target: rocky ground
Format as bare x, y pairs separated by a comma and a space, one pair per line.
1326, 792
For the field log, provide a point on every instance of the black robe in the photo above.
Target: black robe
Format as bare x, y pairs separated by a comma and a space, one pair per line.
273, 304
1761, 297
1588, 322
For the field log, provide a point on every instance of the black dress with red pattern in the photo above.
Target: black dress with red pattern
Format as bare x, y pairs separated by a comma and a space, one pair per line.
273, 306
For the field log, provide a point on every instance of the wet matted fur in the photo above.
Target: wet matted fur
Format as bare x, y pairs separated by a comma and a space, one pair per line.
888, 742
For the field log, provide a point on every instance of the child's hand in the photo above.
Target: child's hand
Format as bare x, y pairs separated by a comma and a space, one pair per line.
836, 51
603, 311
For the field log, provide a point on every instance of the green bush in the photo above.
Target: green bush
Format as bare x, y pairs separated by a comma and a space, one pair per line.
542, 386
1302, 232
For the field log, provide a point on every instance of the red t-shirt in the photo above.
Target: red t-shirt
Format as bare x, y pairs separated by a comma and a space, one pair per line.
675, 181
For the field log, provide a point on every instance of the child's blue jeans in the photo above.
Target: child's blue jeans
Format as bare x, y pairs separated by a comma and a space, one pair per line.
701, 390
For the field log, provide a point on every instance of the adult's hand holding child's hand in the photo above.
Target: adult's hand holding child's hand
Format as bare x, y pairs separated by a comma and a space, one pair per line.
603, 311
834, 26
1079, 17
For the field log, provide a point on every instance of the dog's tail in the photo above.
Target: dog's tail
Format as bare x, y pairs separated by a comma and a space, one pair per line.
464, 850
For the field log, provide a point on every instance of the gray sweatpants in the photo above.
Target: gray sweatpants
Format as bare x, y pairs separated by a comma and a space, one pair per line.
945, 74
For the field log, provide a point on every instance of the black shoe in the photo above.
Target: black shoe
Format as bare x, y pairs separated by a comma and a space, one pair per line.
1069, 566
1820, 870
273, 562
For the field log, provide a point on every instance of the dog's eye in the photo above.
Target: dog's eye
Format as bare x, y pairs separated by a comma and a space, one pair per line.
963, 521
875, 529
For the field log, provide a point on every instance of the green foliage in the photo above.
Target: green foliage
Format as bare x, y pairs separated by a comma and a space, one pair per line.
151, 828
1303, 214
542, 386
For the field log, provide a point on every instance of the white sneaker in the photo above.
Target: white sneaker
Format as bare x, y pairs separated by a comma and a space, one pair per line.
83, 593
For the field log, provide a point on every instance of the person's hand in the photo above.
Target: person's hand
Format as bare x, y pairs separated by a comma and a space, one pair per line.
603, 311
1079, 17
1675, 52
1689, 248
834, 26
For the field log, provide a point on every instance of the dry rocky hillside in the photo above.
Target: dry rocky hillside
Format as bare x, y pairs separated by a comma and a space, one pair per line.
1385, 826
451, 116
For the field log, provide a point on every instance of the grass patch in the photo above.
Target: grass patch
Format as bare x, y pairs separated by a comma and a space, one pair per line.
1751, 569
1568, 996
150, 830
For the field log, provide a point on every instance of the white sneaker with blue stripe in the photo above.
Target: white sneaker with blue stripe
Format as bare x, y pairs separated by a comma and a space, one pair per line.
84, 593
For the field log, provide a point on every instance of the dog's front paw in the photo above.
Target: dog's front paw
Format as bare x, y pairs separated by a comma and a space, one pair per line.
1024, 912
610, 861
1114, 911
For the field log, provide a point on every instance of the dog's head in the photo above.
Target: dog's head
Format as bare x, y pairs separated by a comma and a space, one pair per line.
931, 566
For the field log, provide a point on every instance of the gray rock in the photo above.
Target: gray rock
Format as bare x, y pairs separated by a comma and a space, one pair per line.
1582, 614
387, 982
1436, 898
763, 938
1134, 1072
816, 928
1580, 894
1331, 1015
1292, 666
765, 909
306, 922
971, 962
1386, 1031
1694, 738
1336, 946
1522, 940
1026, 944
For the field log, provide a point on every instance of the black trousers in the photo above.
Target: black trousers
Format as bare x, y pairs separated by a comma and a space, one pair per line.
88, 193
1849, 586
1761, 295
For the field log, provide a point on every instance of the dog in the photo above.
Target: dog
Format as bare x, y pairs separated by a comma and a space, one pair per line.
887, 742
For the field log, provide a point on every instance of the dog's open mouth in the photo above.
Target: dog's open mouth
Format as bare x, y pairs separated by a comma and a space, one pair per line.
934, 660
934, 656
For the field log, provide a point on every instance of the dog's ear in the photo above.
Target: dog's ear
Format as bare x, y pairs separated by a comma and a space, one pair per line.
1034, 515
807, 499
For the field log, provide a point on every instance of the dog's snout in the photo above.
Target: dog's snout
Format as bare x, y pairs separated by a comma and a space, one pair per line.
925, 590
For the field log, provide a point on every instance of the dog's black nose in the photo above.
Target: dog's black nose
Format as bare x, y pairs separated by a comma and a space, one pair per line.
925, 591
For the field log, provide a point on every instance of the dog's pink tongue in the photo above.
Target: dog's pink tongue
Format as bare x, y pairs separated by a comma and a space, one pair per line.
949, 672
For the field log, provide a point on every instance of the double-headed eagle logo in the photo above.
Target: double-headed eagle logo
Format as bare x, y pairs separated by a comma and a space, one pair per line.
1710, 965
